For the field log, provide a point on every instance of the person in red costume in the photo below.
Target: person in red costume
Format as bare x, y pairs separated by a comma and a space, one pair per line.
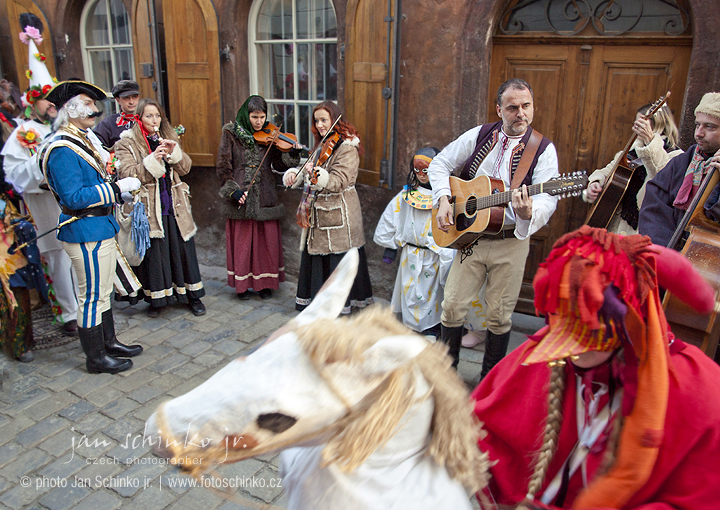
604, 408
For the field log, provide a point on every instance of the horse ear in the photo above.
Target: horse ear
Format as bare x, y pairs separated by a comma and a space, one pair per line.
330, 300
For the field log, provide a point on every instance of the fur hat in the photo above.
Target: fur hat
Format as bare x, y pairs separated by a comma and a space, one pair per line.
709, 105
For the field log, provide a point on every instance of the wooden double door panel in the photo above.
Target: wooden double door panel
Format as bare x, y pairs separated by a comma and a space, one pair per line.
586, 95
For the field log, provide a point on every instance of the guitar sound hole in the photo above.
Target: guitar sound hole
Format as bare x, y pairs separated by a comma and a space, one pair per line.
471, 206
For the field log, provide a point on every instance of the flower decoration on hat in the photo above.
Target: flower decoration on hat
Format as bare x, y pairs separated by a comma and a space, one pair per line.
31, 33
40, 81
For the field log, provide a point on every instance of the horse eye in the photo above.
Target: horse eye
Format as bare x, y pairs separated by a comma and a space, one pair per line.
275, 422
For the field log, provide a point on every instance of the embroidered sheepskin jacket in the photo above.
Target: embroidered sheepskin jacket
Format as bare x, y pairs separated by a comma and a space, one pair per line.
336, 218
236, 166
134, 160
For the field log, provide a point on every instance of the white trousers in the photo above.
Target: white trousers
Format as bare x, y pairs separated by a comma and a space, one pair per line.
94, 265
65, 284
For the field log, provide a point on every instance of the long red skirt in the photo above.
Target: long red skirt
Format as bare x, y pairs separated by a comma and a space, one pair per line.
254, 255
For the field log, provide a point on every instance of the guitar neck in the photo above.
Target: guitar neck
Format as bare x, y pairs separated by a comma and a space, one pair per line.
504, 197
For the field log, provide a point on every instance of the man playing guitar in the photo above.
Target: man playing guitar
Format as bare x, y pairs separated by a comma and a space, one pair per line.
495, 150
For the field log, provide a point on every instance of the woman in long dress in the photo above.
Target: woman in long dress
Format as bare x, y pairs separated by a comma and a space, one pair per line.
151, 152
330, 211
250, 202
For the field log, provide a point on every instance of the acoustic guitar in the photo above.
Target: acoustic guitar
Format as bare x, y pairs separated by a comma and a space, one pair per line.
606, 205
479, 205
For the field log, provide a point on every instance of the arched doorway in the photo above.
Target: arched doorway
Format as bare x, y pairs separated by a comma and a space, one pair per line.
591, 65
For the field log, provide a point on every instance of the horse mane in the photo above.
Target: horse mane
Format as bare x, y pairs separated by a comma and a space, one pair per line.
455, 429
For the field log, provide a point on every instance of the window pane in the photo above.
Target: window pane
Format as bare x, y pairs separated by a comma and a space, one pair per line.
304, 65
315, 19
120, 23
124, 69
101, 65
275, 71
326, 74
96, 30
306, 136
275, 20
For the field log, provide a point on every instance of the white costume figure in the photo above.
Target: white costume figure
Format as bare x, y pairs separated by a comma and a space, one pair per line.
22, 171
406, 224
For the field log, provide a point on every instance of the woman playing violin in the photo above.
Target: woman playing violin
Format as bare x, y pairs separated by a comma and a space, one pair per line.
250, 202
334, 218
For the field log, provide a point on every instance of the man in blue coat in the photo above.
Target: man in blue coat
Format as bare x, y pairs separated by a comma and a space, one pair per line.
76, 174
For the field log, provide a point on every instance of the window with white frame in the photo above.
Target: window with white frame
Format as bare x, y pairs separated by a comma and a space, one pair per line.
106, 39
293, 59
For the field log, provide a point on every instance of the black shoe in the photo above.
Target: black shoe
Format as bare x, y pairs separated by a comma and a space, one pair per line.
112, 346
244, 295
452, 337
197, 307
265, 294
154, 312
495, 350
70, 328
26, 357
98, 360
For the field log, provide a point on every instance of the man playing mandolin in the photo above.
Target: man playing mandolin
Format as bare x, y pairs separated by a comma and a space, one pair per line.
670, 194
494, 150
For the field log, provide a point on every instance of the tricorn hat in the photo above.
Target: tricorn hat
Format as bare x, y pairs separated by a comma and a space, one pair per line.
66, 90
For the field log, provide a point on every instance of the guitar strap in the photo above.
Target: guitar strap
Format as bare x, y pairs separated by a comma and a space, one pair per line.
526, 159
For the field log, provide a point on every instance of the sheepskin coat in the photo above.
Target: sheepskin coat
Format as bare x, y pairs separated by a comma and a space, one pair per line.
336, 219
134, 160
236, 166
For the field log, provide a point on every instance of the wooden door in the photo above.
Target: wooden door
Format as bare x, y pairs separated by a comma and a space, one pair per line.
143, 46
366, 74
15, 8
586, 94
193, 68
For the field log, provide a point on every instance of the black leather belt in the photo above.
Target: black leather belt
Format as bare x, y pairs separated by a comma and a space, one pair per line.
89, 211
503, 234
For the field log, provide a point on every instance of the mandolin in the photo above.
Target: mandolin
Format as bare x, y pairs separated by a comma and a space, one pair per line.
606, 205
479, 205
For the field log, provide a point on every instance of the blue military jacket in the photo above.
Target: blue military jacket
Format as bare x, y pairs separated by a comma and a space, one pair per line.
77, 177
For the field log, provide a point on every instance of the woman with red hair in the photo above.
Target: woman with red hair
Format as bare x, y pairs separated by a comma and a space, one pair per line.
329, 211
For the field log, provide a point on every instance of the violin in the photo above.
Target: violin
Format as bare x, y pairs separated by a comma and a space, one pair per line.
271, 135
324, 152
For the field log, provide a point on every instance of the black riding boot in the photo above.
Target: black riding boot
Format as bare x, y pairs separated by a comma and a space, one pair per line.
452, 338
112, 346
495, 350
98, 360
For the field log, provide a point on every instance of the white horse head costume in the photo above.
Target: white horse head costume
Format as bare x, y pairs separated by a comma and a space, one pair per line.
375, 414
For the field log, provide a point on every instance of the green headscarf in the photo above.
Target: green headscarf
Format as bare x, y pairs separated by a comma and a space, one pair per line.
243, 128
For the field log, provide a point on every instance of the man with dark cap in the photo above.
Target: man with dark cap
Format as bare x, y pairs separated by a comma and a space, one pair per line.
76, 174
127, 95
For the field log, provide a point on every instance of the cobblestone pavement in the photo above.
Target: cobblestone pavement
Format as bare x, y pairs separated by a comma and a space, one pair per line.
69, 439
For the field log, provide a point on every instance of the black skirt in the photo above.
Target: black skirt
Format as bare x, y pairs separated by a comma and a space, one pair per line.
170, 268
315, 269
